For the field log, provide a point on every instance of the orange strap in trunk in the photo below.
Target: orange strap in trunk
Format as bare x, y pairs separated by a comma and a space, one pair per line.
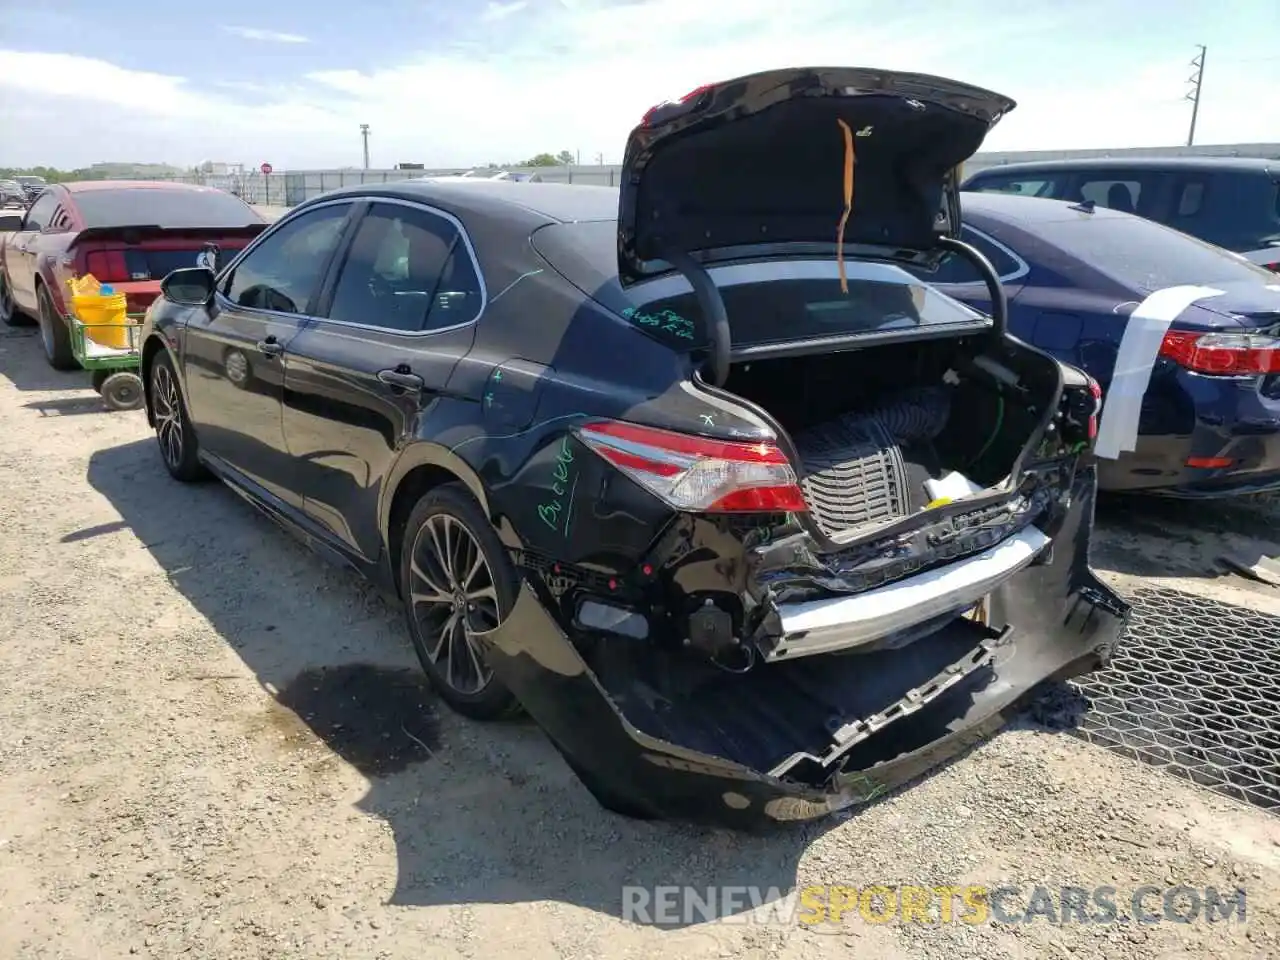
849, 161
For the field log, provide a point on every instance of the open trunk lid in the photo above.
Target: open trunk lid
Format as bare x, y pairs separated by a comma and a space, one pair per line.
758, 166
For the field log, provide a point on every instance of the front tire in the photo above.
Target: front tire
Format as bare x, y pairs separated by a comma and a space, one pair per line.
456, 580
54, 335
175, 436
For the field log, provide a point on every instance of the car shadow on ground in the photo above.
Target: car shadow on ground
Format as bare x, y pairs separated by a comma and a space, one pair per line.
482, 813
1145, 536
26, 368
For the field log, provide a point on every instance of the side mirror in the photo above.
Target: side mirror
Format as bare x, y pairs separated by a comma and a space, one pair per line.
189, 286
10, 224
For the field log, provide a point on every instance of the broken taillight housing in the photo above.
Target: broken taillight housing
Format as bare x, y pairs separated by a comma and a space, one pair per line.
698, 474
1223, 354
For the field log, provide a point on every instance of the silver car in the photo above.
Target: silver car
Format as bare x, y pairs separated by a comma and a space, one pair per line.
12, 194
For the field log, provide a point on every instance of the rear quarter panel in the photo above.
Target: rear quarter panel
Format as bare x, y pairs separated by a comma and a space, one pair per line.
545, 361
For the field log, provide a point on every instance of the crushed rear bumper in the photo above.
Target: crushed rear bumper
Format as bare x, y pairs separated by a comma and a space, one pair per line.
1053, 619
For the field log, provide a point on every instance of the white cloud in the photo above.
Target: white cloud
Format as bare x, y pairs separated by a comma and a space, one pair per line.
500, 11
268, 36
578, 74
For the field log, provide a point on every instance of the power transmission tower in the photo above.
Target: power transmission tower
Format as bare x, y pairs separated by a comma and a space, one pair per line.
364, 133
1197, 80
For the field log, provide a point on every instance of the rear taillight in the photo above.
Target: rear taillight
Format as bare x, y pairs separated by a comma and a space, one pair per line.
1095, 391
107, 266
1223, 354
697, 474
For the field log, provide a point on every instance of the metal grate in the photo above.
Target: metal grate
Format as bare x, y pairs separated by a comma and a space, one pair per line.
854, 473
1194, 689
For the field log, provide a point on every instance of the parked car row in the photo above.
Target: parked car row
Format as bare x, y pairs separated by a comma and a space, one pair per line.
749, 482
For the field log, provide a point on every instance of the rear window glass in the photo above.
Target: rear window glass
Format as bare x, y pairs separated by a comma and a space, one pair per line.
1146, 255
781, 302
164, 208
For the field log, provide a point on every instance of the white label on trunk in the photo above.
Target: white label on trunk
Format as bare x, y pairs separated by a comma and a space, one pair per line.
1139, 347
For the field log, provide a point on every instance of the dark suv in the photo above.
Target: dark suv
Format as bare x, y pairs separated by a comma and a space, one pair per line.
1229, 201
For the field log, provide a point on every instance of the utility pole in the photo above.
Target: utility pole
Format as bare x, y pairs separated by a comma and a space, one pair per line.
1194, 95
364, 133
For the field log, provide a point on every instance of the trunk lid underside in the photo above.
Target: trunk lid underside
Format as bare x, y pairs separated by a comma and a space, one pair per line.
763, 160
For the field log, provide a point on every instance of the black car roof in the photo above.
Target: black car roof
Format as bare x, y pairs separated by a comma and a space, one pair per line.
553, 202
1241, 164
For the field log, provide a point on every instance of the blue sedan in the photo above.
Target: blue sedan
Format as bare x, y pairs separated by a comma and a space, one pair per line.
1183, 336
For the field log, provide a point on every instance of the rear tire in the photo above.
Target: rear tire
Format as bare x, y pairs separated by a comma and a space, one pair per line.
10, 315
54, 335
175, 436
456, 578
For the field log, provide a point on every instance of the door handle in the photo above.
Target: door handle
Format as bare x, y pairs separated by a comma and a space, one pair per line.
402, 378
270, 347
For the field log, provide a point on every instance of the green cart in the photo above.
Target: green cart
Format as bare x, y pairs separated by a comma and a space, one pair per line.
111, 353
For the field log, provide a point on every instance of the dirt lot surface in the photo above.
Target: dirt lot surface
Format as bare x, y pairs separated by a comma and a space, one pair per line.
214, 745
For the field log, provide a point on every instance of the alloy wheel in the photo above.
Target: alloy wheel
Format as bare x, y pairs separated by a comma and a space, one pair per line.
167, 410
452, 597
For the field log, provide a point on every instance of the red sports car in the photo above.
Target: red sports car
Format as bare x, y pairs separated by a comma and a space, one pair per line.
128, 234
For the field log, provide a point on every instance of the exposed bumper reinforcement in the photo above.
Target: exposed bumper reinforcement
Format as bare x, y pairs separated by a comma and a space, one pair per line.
838, 623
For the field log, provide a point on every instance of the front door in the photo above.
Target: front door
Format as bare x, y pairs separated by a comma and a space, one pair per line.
398, 317
234, 355
23, 249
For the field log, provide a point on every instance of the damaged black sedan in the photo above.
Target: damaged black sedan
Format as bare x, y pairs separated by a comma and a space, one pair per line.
752, 522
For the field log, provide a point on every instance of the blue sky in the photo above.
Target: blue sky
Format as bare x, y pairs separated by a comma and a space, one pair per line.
448, 82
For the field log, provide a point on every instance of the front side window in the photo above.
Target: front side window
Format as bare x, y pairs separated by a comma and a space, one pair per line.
407, 270
41, 212
282, 272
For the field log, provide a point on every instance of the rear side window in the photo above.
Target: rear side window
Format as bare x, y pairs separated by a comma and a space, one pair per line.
163, 207
41, 212
958, 269
1143, 254
407, 270
782, 302
1029, 185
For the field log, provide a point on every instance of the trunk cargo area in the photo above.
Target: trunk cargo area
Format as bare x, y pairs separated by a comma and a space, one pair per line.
872, 426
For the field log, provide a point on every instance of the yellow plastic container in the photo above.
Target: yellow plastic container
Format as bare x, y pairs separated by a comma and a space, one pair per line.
106, 312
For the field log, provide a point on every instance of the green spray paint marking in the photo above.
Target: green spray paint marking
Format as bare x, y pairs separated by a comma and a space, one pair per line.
564, 480
666, 320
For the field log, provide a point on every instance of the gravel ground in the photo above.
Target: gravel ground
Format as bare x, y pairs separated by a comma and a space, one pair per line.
214, 745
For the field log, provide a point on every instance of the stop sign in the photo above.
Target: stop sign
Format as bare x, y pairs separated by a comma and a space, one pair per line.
266, 169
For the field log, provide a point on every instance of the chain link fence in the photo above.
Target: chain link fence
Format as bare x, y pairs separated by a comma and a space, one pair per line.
291, 187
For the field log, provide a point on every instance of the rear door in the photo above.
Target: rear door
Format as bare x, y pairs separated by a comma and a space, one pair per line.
398, 314
233, 359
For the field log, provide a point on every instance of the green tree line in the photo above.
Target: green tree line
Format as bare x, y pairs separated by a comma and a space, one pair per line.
51, 174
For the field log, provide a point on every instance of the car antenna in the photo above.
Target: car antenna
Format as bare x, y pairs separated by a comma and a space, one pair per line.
1084, 206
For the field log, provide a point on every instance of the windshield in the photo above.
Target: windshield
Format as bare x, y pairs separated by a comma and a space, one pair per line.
31, 181
163, 207
1144, 255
